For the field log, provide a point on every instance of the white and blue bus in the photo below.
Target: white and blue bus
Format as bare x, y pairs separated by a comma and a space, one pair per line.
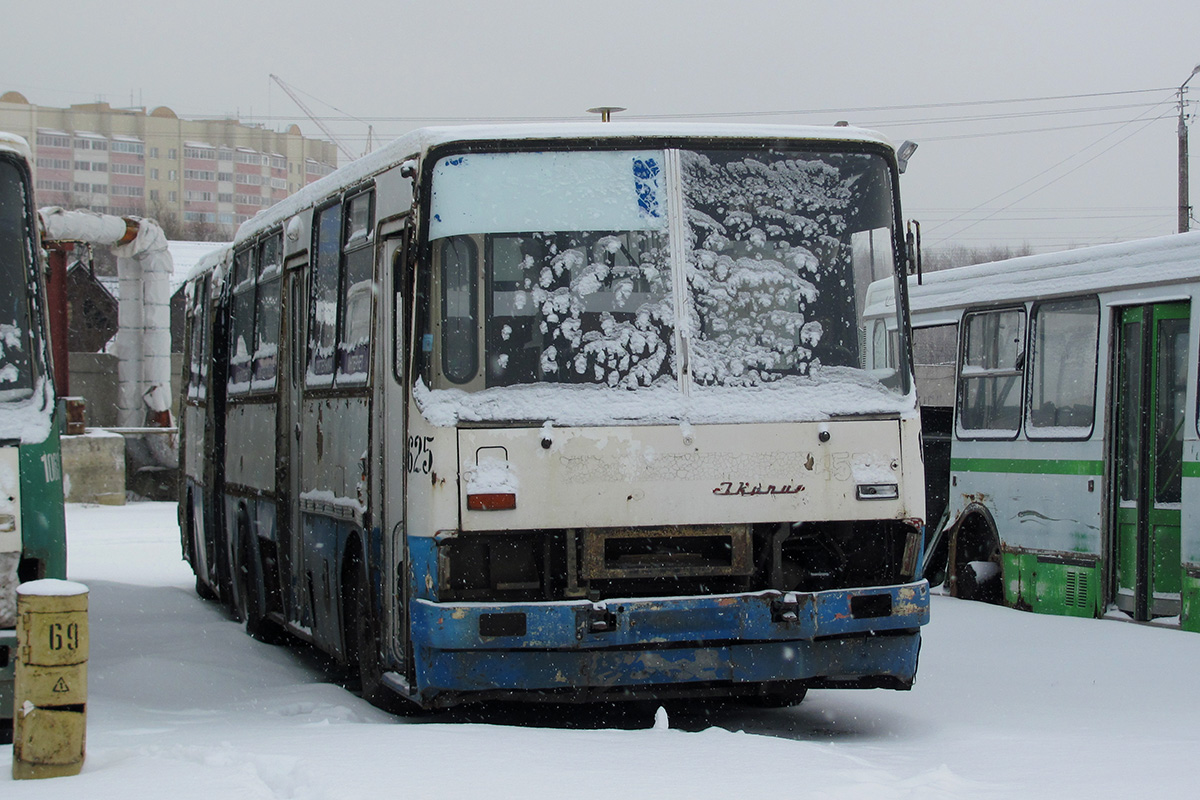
32, 524
570, 412
1059, 394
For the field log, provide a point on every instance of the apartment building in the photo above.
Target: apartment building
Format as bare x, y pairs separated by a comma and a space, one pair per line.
121, 161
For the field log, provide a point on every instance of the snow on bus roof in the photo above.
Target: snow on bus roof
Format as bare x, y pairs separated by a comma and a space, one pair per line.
15, 144
1125, 265
211, 260
420, 140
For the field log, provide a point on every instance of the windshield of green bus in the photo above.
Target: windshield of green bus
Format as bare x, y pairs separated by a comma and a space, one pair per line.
625, 268
16, 362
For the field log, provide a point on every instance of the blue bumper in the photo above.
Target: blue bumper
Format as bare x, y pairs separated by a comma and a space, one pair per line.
848, 637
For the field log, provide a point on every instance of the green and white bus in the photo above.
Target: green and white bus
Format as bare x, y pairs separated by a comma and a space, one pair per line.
1059, 403
32, 526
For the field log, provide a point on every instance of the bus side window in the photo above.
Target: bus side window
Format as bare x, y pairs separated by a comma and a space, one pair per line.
1062, 376
358, 292
934, 351
991, 374
266, 318
322, 328
459, 304
242, 328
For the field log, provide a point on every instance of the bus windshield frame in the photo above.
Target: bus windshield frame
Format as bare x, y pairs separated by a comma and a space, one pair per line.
18, 360
629, 265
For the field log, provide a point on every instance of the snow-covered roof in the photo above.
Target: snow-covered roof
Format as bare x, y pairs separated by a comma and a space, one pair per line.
422, 139
1126, 265
120, 137
186, 257
210, 260
15, 144
941, 296
90, 135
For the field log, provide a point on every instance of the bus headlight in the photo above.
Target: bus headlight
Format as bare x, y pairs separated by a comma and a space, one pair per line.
8, 523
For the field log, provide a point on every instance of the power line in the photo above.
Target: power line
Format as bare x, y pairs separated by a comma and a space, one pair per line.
1047, 170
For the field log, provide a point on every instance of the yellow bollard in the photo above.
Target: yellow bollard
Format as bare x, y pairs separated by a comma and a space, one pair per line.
50, 697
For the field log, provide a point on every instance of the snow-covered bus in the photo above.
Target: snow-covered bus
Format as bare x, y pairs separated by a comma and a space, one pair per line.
32, 525
1059, 395
572, 412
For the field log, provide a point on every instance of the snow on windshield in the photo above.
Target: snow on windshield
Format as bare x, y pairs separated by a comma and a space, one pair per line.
566, 267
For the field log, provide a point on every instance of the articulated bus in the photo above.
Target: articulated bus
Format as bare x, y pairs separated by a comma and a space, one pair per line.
1059, 395
566, 412
32, 524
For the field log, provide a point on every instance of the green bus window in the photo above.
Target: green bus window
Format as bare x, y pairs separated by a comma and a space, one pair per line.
991, 374
1062, 377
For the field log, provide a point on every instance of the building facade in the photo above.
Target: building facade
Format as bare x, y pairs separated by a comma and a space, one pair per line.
214, 172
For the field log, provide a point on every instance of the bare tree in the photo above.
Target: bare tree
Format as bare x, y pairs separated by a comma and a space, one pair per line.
957, 255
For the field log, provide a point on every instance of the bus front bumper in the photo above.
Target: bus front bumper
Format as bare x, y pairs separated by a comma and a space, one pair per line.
856, 638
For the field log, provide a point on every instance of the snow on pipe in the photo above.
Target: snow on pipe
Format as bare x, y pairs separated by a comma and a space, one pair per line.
144, 270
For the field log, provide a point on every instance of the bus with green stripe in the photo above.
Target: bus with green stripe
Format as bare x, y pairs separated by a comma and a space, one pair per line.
32, 527
1058, 396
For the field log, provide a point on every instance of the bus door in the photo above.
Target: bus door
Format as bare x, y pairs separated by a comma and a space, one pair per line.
1151, 373
292, 366
392, 440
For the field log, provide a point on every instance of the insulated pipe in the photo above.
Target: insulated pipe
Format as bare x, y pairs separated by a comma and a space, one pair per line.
143, 341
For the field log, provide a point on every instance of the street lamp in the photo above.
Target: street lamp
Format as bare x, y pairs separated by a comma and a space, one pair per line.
1185, 208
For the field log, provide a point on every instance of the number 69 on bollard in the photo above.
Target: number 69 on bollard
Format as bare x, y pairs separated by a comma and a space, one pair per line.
50, 697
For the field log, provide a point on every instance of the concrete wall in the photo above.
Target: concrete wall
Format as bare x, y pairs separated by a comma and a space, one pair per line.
94, 468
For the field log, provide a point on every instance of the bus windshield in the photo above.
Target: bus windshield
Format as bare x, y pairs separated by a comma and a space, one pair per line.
16, 362
736, 266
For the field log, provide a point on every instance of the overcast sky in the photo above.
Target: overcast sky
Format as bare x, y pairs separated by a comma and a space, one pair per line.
1096, 163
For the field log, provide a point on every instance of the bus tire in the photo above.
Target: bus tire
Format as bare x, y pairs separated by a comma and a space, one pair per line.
203, 591
978, 572
257, 624
366, 649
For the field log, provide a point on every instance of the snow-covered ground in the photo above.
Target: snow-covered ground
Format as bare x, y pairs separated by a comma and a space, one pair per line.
1007, 704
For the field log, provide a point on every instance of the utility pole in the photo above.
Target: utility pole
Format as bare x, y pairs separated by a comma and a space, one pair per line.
1185, 207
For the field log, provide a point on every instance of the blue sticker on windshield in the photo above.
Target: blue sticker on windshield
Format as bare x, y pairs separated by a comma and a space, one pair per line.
645, 181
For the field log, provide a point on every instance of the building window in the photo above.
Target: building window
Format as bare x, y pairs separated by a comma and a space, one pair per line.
136, 148
52, 140
172, 154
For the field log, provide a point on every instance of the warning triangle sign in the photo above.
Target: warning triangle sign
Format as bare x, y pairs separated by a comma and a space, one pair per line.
61, 686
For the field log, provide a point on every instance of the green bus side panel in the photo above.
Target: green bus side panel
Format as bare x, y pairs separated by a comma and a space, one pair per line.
1051, 588
43, 523
1189, 617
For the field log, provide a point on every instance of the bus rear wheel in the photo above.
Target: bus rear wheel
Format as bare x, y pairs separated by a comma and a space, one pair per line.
364, 660
978, 573
250, 575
